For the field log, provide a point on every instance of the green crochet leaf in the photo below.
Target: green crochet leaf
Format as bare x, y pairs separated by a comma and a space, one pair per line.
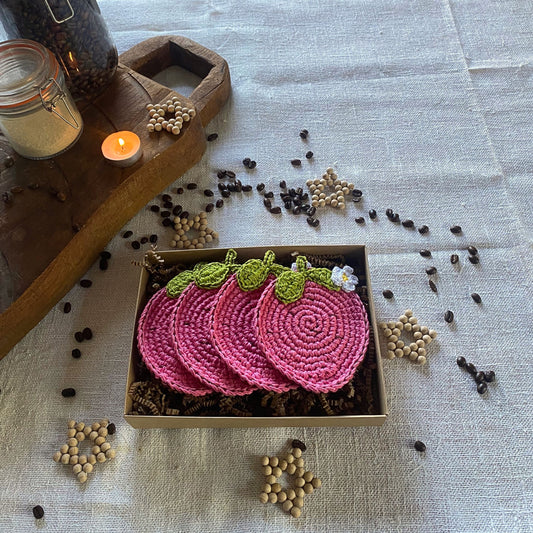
290, 286
278, 270
252, 274
179, 283
322, 276
212, 275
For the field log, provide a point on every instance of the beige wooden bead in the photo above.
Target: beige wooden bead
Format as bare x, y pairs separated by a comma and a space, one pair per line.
290, 458
287, 505
399, 326
102, 432
80, 426
93, 435
299, 472
387, 332
421, 360
416, 327
72, 442
64, 448
71, 433
391, 346
413, 320
82, 459
390, 354
299, 482
420, 343
297, 452
267, 487
397, 332
400, 344
408, 313
57, 457
291, 469
158, 127
88, 468
282, 497
91, 459
413, 355
299, 462
271, 479
273, 497
276, 487
391, 325
403, 319
73, 450
406, 350
422, 351
274, 461
413, 346
276, 471
291, 494
398, 352
392, 338
316, 483
308, 488
432, 333
308, 476
427, 339
71, 424
299, 491
73, 460
267, 470
298, 502
95, 450
80, 436
77, 468
263, 497
82, 477
99, 440
296, 512
101, 457
424, 330
408, 327
104, 422
417, 335
65, 458
110, 454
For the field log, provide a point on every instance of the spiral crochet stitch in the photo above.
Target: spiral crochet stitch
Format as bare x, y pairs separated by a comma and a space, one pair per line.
318, 340
234, 336
154, 339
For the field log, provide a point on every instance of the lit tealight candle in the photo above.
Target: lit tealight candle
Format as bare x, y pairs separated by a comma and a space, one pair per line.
122, 148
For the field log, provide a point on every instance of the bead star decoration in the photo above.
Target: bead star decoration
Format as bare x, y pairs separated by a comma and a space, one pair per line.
101, 450
158, 120
305, 482
317, 187
183, 225
396, 347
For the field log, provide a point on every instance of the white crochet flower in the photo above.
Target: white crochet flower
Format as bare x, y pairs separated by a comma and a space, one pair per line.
294, 268
344, 278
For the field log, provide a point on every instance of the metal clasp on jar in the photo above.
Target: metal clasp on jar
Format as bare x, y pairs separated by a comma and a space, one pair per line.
50, 105
53, 15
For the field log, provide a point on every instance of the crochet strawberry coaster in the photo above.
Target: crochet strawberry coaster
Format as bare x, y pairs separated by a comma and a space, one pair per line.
154, 339
309, 329
191, 334
235, 338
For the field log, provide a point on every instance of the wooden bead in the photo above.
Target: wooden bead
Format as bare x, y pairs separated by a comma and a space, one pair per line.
267, 487
406, 350
282, 497
72, 442
263, 497
432, 333
408, 313
276, 471
73, 460
110, 454
308, 488
308, 476
424, 330
65, 458
297, 452
299, 491
291, 469
274, 461
420, 343
64, 449
87, 430
397, 332
71, 424
413, 355
299, 472
417, 335
82, 477
272, 497
291, 494
93, 435
408, 327
391, 346
390, 354
299, 482
71, 433
421, 360
82, 459
271, 479
101, 458
77, 468
102, 432
95, 450
387, 332
91, 459
105, 446
57, 457
299, 462
398, 352
290, 458
296, 512
276, 487
427, 339
298, 502
399, 326
267, 470
403, 319
99, 440
80, 426
416, 328
73, 450
80, 436
316, 483
287, 505
88, 468
422, 351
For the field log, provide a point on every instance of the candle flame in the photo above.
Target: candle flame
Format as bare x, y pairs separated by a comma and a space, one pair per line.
121, 142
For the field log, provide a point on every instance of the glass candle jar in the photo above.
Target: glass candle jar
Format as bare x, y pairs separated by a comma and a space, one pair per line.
37, 113
75, 31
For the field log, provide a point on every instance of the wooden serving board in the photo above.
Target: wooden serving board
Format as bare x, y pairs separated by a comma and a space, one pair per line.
46, 244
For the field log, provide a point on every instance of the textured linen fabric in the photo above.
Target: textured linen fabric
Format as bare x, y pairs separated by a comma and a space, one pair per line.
426, 105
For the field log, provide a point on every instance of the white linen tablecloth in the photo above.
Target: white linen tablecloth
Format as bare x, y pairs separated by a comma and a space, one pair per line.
426, 105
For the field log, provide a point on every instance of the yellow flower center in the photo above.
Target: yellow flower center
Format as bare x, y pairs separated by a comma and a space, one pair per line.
344, 277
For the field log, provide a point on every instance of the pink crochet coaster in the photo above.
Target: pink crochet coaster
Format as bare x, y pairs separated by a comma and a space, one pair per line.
192, 340
154, 339
318, 340
235, 338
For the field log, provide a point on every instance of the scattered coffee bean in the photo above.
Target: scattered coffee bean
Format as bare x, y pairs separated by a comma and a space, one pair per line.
68, 393
192, 186
482, 387
389, 212
166, 198
144, 240
219, 203
479, 377
360, 220
168, 205
454, 259
431, 270
87, 334
408, 223
166, 222
461, 361
222, 186
33, 186
476, 297
275, 210
314, 222
105, 255
269, 194
232, 187
420, 446
474, 259
456, 230
471, 368
296, 162
177, 210
165, 214
283, 184
311, 211
230, 174
153, 238
9, 161
296, 210
357, 192
67, 307
304, 134
298, 444
180, 190
111, 429
185, 214
388, 294
246, 188
225, 194
38, 512
79, 336
472, 250
86, 283
432, 286
212, 137
127, 234
208, 192
395, 217
490, 376
209, 208
246, 161
287, 204
372, 214
260, 187
76, 353
136, 244
425, 253
61, 196
103, 264
76, 227
448, 316
221, 174
267, 203
309, 155
423, 229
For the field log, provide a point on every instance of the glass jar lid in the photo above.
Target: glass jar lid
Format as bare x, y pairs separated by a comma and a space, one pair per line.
27, 67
